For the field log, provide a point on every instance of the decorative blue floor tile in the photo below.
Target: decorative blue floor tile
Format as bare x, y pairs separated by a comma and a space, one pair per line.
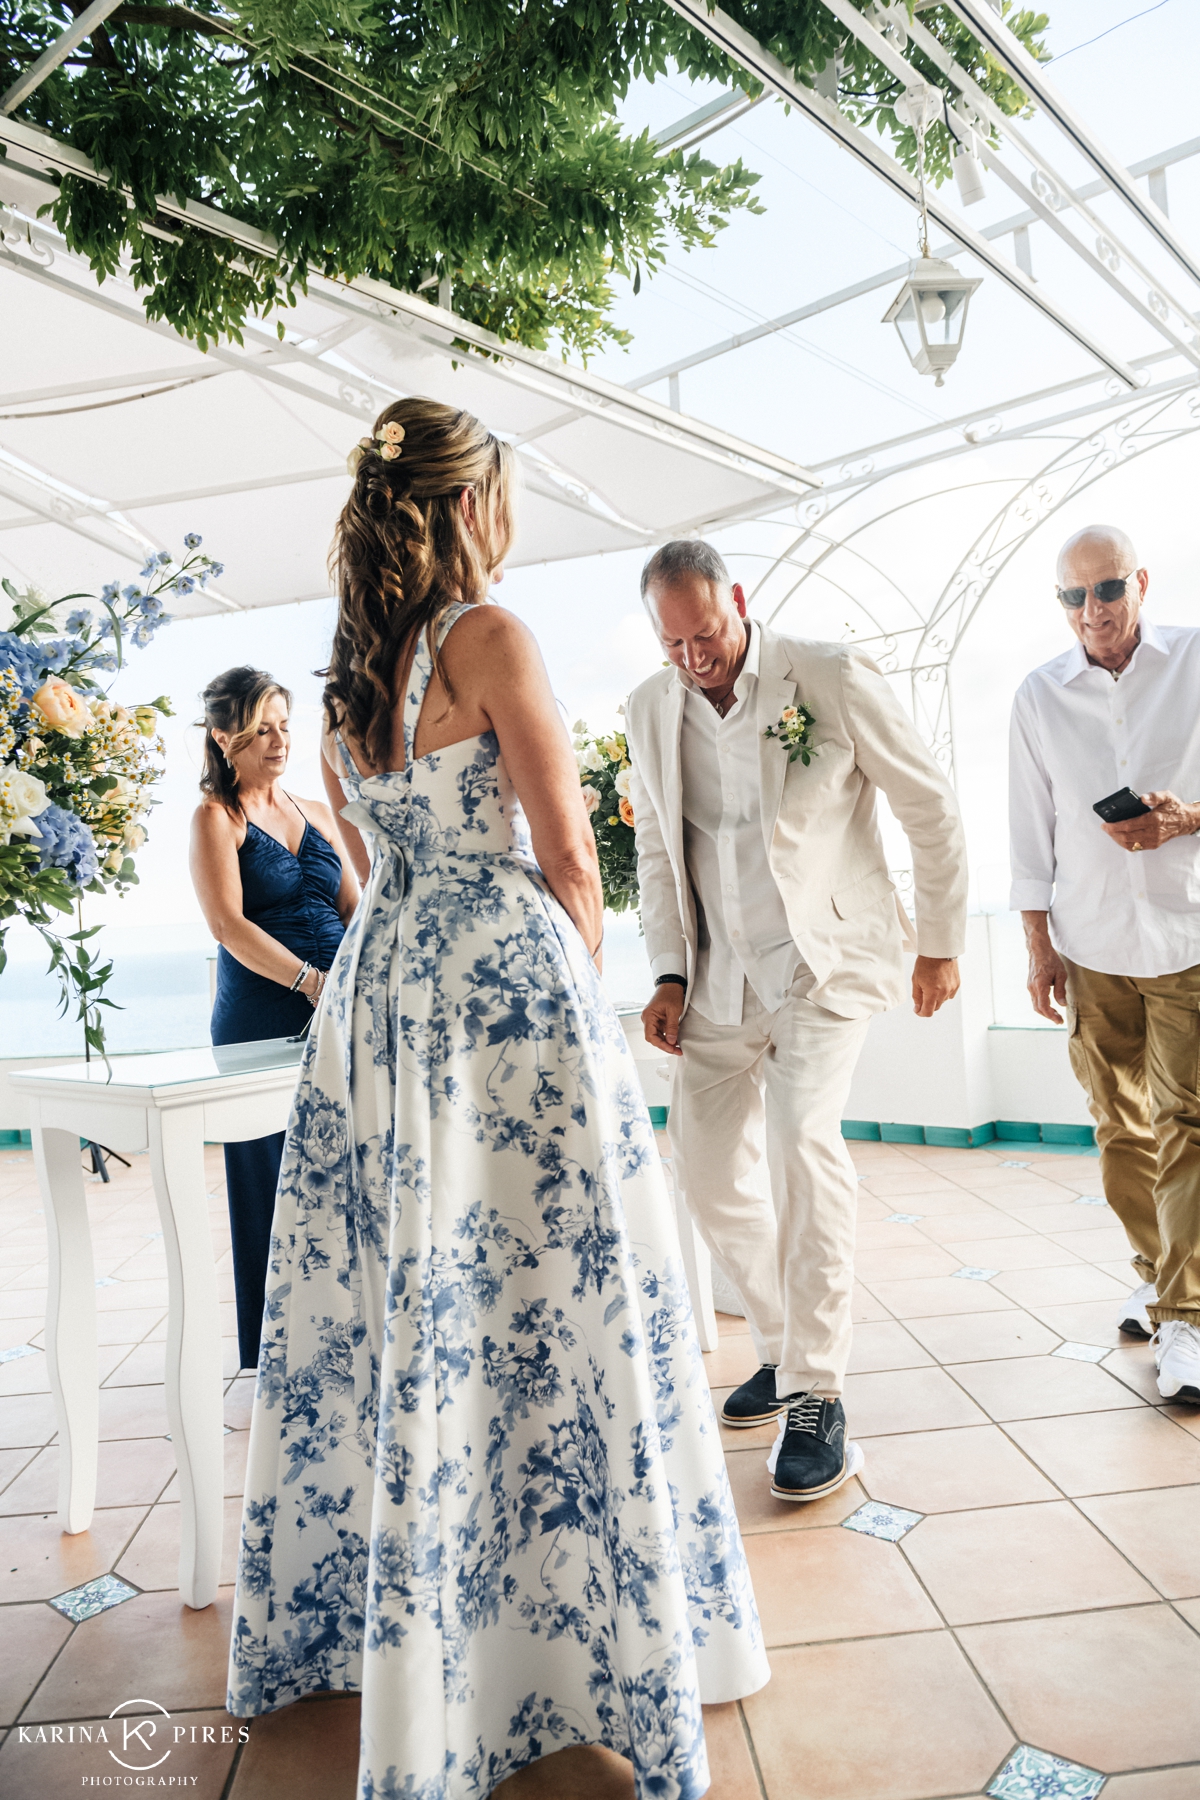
880, 1521
975, 1274
1090, 1200
16, 1352
1008, 1163
93, 1597
1082, 1352
904, 1218
1031, 1774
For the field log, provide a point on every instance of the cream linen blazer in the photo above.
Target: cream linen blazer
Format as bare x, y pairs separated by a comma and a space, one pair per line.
819, 823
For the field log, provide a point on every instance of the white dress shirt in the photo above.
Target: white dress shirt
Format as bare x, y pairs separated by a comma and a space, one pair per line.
743, 929
1077, 736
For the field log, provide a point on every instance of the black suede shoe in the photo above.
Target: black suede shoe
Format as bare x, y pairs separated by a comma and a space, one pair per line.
813, 1457
755, 1402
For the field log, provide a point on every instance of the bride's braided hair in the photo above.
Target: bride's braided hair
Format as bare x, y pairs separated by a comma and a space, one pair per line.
402, 553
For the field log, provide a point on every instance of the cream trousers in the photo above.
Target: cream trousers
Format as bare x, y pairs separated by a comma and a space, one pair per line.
756, 1134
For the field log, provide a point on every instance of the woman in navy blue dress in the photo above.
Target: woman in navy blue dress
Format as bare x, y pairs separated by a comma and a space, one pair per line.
277, 891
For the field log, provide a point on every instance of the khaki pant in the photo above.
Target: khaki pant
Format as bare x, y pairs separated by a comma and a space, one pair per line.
781, 1226
1135, 1049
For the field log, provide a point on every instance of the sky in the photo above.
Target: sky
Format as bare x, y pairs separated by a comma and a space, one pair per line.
816, 393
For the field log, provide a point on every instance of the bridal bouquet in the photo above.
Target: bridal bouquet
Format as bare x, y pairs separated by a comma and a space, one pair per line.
604, 774
77, 771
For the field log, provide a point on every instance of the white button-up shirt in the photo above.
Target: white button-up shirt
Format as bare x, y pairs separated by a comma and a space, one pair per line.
1077, 736
743, 933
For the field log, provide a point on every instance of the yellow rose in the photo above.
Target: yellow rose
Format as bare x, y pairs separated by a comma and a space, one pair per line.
62, 708
613, 749
625, 808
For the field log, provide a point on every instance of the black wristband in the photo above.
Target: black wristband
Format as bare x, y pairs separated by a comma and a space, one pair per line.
681, 979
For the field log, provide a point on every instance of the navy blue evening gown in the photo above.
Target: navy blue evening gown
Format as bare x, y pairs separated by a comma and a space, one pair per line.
293, 897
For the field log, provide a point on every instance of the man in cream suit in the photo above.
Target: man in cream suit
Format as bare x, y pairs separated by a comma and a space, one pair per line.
774, 934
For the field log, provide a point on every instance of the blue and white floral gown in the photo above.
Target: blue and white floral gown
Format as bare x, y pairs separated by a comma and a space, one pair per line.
485, 1485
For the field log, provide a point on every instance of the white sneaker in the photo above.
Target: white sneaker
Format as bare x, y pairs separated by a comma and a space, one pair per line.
1132, 1315
1177, 1354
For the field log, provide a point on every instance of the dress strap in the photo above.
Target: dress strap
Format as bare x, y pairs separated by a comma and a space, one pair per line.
420, 672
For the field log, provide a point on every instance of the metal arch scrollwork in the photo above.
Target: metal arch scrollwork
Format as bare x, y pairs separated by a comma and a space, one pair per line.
912, 630
1147, 427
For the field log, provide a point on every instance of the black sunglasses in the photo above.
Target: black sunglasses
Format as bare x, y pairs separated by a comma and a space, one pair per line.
1107, 591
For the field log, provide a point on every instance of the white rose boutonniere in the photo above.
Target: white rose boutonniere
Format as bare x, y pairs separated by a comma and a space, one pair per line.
794, 729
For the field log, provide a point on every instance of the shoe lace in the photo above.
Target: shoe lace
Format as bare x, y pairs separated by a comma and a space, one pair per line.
1177, 1335
804, 1414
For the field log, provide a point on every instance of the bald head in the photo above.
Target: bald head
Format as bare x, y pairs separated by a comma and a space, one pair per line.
1106, 622
1096, 542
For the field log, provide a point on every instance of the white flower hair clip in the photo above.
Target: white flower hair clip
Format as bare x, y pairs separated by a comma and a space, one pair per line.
387, 445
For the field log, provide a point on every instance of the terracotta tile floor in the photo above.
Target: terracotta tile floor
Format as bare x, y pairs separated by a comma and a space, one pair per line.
1050, 1595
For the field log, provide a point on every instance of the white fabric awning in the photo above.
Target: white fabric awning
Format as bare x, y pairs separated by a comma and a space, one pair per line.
117, 435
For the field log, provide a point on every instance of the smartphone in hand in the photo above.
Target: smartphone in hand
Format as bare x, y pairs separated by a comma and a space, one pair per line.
1124, 804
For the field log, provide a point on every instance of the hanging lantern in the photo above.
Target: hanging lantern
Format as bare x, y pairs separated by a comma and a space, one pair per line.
929, 313
930, 310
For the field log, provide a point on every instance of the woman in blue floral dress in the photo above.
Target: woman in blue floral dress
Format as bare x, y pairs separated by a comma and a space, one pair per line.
485, 1485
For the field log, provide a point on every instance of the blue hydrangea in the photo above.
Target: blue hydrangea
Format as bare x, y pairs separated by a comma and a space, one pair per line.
216, 570
143, 634
111, 591
78, 621
131, 593
151, 607
66, 843
184, 584
149, 567
107, 661
193, 540
105, 629
56, 653
23, 660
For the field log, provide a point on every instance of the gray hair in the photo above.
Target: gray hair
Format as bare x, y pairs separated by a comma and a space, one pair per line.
685, 556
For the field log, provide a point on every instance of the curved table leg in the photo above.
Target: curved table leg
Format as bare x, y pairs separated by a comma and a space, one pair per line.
70, 1319
194, 1392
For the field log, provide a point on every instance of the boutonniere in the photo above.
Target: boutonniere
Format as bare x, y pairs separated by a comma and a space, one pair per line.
794, 731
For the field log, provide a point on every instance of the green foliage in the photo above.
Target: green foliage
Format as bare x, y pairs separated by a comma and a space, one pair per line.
414, 141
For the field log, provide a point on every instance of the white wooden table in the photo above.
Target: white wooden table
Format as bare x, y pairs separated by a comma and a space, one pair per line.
168, 1104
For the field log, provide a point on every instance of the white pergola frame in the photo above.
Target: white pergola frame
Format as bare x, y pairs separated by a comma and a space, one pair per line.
1118, 427
1121, 424
322, 370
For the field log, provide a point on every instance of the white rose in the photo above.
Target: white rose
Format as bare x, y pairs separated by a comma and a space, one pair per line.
592, 758
124, 794
21, 796
623, 779
591, 798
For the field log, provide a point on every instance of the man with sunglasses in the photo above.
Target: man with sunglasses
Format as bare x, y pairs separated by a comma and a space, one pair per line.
1112, 914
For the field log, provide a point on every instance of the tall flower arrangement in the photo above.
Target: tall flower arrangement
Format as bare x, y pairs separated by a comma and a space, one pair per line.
604, 775
78, 771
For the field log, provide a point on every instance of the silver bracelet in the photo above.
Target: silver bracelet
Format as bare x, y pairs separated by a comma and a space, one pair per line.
315, 1000
305, 972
